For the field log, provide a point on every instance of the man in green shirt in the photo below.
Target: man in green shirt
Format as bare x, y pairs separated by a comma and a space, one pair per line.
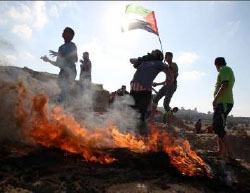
223, 103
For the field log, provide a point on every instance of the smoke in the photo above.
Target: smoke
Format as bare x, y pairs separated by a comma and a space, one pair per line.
82, 104
122, 115
6, 52
6, 45
88, 106
119, 113
3, 62
8, 98
34, 82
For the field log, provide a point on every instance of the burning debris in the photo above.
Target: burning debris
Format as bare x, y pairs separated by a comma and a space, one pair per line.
64, 154
56, 128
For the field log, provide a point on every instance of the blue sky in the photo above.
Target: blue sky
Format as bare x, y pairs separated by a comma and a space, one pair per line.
196, 32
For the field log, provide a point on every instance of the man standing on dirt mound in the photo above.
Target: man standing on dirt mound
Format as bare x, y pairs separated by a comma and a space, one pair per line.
223, 104
85, 73
66, 59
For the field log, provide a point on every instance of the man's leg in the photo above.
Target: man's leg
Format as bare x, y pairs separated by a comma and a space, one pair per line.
137, 98
225, 138
220, 146
143, 103
169, 93
62, 96
227, 146
61, 84
219, 128
156, 99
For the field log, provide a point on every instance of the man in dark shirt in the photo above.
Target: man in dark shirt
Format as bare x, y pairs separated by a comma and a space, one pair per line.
148, 67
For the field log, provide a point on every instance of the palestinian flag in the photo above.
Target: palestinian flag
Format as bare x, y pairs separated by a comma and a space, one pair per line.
137, 17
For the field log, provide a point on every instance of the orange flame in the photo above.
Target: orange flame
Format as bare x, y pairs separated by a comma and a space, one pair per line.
56, 128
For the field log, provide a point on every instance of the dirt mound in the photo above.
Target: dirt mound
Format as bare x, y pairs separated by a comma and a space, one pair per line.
36, 83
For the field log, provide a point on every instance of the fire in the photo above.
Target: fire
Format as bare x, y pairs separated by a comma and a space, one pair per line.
128, 141
186, 160
56, 128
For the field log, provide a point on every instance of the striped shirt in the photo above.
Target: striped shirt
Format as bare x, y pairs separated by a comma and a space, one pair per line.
135, 86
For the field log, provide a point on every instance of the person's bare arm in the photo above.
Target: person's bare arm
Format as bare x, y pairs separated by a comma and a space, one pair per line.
158, 84
220, 92
46, 59
169, 79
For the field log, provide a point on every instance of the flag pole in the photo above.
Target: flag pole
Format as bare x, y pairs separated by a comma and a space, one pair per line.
161, 47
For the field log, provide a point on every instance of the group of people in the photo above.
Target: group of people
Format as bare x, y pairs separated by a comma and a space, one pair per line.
66, 58
147, 68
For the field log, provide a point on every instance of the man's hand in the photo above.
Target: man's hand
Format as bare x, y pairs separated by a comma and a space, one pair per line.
133, 60
221, 91
155, 84
45, 58
53, 53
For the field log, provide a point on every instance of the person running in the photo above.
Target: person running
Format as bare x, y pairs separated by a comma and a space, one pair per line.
223, 104
169, 86
148, 67
66, 59
85, 74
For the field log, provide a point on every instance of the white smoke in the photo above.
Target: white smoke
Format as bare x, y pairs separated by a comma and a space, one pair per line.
118, 113
121, 113
6, 45
6, 52
83, 105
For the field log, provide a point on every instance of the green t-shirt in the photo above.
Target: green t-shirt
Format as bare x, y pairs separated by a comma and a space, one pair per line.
225, 75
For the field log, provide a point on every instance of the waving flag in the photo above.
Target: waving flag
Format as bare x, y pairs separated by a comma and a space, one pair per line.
137, 17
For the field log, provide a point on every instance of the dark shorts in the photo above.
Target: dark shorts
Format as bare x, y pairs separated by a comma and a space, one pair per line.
220, 117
